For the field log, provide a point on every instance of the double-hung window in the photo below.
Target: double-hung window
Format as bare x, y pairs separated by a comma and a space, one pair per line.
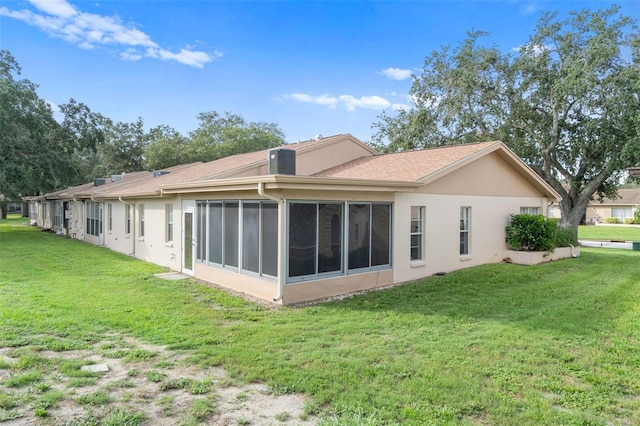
465, 227
141, 220
168, 215
127, 219
417, 223
109, 217
94, 219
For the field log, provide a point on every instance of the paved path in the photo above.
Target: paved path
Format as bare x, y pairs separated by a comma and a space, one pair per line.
606, 244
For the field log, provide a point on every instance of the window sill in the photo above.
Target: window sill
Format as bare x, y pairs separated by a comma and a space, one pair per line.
169, 244
127, 235
464, 257
418, 263
140, 238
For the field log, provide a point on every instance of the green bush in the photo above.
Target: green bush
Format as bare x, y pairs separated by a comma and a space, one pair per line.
531, 233
612, 220
637, 215
565, 237
629, 221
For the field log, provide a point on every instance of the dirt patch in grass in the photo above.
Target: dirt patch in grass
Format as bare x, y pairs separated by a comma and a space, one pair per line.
145, 385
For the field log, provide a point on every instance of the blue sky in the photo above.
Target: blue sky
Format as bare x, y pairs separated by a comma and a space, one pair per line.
312, 67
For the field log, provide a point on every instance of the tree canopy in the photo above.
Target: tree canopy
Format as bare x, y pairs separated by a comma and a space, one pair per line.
217, 136
34, 156
568, 103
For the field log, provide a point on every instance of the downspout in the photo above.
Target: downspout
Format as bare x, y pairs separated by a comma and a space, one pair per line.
281, 239
132, 234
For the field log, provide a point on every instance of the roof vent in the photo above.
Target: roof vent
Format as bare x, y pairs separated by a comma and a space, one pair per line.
99, 181
157, 173
116, 178
282, 161
318, 137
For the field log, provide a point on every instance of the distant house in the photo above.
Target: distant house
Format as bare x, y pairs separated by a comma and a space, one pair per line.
311, 220
622, 207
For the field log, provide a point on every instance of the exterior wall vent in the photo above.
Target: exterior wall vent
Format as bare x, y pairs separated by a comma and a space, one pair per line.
99, 181
157, 173
282, 161
116, 178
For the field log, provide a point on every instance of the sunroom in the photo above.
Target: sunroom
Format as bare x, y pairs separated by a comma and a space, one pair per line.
291, 238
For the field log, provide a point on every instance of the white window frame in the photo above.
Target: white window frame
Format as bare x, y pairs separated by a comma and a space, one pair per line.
416, 232
168, 214
530, 210
141, 220
622, 213
109, 217
465, 231
127, 219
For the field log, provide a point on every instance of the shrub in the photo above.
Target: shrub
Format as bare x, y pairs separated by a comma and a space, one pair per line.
565, 237
612, 220
531, 233
629, 221
637, 215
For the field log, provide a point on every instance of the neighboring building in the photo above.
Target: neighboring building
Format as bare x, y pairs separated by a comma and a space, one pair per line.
622, 207
313, 220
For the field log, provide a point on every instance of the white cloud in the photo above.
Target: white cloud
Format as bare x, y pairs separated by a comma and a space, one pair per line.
368, 102
60, 19
396, 73
350, 103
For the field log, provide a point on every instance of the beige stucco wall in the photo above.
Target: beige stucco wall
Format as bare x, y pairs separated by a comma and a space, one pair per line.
322, 289
152, 247
117, 239
487, 176
441, 238
248, 284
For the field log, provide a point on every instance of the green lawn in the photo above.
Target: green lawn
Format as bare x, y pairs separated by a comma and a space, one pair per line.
500, 344
610, 233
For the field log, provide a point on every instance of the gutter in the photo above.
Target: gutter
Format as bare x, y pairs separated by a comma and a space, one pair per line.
281, 238
132, 234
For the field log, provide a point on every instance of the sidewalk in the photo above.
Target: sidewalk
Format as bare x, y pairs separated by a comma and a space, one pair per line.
606, 244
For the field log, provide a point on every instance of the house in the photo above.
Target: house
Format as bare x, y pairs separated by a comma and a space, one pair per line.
622, 207
316, 219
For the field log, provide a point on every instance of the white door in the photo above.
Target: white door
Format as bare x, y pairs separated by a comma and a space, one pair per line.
188, 238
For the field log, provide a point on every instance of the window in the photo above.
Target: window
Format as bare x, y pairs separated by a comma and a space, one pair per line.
94, 218
239, 235
57, 214
33, 210
109, 217
141, 220
127, 219
168, 214
465, 215
417, 220
622, 213
530, 210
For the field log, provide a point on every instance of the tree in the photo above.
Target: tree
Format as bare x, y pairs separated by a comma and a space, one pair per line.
34, 157
167, 147
216, 137
568, 103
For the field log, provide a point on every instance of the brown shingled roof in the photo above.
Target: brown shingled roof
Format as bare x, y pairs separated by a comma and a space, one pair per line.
626, 196
216, 169
407, 165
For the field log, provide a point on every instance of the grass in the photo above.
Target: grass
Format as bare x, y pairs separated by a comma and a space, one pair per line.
609, 233
502, 344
